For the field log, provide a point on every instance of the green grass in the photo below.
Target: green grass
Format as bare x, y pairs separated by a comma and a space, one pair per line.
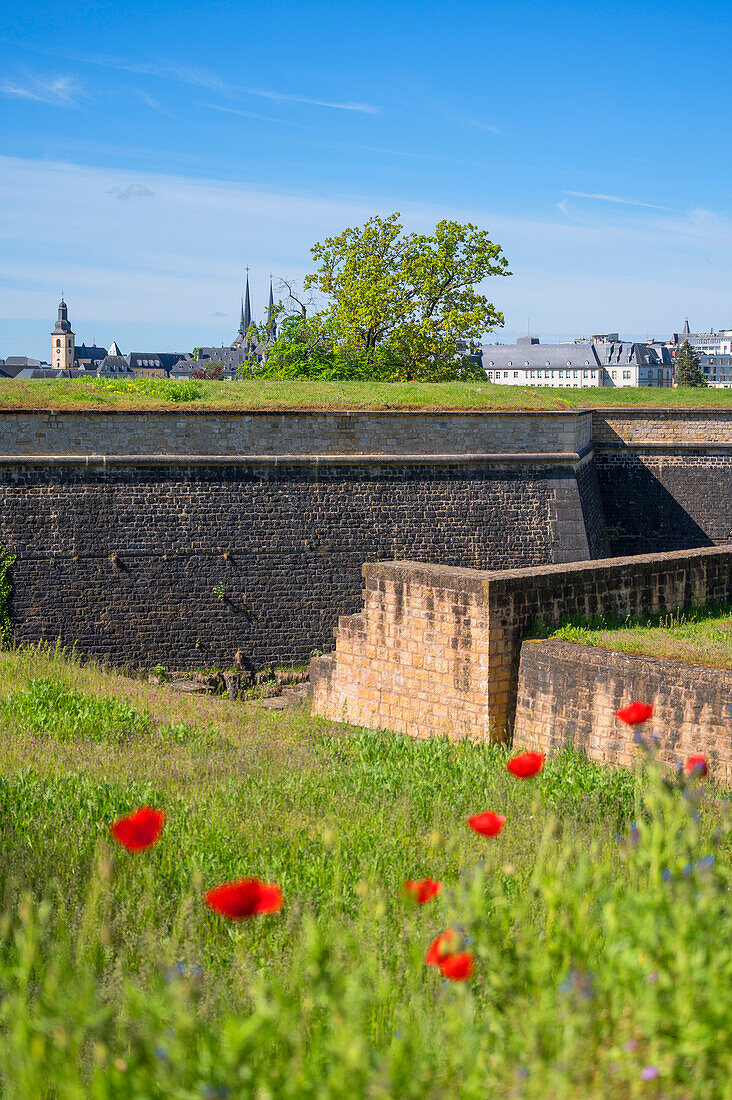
601, 946
151, 394
701, 636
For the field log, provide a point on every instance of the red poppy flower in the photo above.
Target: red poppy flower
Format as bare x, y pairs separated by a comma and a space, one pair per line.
441, 948
245, 898
634, 713
458, 968
488, 823
139, 830
423, 890
526, 764
697, 765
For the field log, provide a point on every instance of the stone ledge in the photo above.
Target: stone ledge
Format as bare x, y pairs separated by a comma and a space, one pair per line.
346, 459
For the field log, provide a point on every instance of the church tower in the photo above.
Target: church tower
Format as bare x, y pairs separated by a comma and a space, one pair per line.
62, 341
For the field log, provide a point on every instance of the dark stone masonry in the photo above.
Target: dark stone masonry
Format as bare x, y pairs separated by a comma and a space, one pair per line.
186, 537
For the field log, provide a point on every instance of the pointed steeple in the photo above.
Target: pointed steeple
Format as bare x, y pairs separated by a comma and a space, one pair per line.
247, 310
242, 327
686, 331
271, 323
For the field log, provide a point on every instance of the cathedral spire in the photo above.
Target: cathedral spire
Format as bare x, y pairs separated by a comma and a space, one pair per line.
242, 329
246, 317
271, 323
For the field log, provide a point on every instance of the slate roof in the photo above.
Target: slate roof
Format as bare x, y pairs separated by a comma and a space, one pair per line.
532, 356
114, 364
165, 359
91, 352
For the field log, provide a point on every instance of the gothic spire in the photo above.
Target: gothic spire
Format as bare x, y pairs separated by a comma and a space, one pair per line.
247, 311
271, 323
242, 328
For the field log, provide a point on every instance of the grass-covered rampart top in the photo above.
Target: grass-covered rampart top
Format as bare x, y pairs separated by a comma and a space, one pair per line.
154, 393
699, 636
599, 919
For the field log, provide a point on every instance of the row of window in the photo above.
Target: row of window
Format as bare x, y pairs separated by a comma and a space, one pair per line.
547, 374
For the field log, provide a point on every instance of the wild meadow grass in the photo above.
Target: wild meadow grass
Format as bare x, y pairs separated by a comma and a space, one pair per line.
599, 918
697, 636
157, 393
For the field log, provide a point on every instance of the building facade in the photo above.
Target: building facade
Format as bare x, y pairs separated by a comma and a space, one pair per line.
717, 370
572, 366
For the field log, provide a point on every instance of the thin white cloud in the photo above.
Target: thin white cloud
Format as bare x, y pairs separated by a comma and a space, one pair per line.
132, 191
153, 103
202, 78
282, 97
255, 115
60, 91
616, 198
484, 126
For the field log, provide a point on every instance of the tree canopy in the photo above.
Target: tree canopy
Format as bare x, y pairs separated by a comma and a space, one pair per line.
397, 306
688, 371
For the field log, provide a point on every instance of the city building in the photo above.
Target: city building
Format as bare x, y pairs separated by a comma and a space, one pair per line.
706, 343
571, 366
717, 370
87, 358
62, 341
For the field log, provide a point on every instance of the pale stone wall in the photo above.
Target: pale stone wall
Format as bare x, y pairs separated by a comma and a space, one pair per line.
436, 650
292, 433
568, 695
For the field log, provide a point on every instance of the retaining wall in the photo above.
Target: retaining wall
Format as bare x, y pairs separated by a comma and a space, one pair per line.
435, 651
568, 695
124, 523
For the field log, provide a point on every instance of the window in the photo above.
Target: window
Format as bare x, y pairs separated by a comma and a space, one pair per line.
585, 373
561, 374
614, 374
626, 375
505, 374
515, 374
58, 343
568, 363
547, 374
510, 363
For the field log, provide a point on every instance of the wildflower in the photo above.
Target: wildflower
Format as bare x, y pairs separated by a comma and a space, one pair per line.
423, 890
139, 830
631, 1044
666, 874
526, 764
697, 765
653, 977
458, 968
245, 898
634, 713
649, 1073
441, 948
705, 862
488, 823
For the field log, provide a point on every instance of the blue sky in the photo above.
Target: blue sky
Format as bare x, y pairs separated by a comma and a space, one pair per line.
148, 152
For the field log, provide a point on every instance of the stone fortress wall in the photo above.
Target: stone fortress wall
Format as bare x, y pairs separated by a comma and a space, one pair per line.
184, 537
567, 695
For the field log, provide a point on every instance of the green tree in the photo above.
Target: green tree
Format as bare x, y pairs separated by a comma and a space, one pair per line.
688, 371
406, 299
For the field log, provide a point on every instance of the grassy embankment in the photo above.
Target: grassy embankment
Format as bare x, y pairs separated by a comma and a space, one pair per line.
701, 636
151, 394
599, 918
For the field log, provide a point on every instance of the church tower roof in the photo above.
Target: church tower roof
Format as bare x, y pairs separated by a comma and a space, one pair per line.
247, 310
686, 331
271, 323
62, 324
